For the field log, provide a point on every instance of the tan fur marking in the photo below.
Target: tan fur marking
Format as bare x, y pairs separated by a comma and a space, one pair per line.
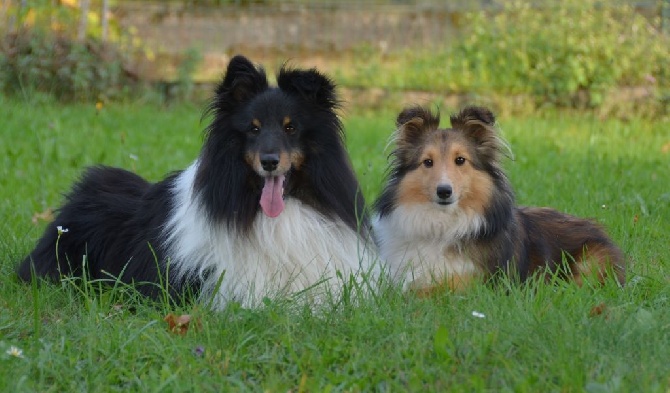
454, 283
297, 159
256, 123
473, 187
284, 162
478, 194
417, 186
411, 189
596, 263
252, 159
287, 121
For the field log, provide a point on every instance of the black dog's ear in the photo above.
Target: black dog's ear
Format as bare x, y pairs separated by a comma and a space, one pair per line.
242, 82
413, 123
310, 85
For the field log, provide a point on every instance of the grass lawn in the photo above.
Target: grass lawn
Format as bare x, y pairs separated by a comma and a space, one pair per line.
533, 338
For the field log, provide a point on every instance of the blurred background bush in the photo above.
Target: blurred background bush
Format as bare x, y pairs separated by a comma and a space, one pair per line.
610, 56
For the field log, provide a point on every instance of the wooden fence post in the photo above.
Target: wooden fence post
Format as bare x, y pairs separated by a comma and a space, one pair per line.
83, 21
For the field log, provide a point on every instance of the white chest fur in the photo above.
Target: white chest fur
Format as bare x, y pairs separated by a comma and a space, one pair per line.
301, 249
419, 244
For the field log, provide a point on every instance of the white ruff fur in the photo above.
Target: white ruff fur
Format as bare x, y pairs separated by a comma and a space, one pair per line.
298, 250
421, 243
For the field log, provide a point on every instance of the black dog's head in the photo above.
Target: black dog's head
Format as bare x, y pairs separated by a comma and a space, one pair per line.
266, 144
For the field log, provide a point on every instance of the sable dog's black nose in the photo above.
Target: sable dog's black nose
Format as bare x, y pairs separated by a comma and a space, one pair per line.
270, 161
444, 191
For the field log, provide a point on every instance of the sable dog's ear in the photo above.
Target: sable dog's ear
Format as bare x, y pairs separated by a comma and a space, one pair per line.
473, 114
242, 81
311, 85
478, 124
413, 123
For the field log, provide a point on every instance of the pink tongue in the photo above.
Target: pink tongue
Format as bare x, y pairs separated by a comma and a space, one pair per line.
272, 196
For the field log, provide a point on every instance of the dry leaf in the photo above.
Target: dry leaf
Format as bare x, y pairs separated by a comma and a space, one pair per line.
179, 324
598, 310
666, 148
47, 215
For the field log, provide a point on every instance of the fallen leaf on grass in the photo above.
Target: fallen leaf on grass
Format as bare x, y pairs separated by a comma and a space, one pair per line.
180, 324
598, 310
47, 215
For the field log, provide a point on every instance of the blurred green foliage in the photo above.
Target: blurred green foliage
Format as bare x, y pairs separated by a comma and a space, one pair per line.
570, 53
35, 61
40, 52
577, 46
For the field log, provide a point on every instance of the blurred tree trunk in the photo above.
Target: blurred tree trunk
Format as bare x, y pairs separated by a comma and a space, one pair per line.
54, 10
3, 14
83, 21
665, 16
104, 20
15, 17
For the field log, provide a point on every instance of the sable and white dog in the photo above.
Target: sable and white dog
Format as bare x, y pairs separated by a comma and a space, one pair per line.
447, 214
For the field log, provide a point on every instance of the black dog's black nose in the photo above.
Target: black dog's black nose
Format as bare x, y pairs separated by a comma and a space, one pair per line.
269, 161
444, 191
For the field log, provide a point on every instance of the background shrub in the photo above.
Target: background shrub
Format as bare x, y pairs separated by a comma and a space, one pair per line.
566, 53
572, 53
519, 54
57, 64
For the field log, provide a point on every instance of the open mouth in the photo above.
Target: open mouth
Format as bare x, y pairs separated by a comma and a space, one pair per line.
272, 196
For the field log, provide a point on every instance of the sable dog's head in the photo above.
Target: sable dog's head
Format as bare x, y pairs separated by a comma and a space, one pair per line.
448, 167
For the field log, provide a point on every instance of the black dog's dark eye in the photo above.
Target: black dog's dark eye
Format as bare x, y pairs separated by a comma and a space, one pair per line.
459, 161
428, 163
254, 130
289, 128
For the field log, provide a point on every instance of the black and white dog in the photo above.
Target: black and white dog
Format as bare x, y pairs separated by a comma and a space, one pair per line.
270, 207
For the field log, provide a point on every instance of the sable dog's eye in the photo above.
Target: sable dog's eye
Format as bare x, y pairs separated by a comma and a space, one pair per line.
428, 163
289, 128
459, 161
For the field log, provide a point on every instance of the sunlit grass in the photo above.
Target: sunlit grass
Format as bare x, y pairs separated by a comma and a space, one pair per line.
534, 338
